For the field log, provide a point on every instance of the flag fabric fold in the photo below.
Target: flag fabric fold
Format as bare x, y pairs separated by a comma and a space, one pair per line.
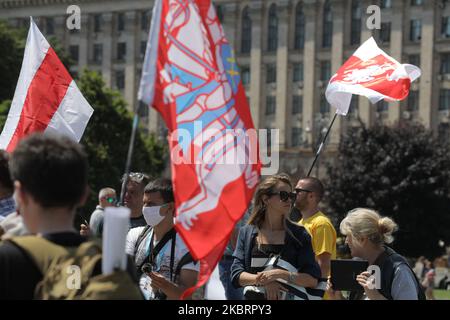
191, 77
372, 73
46, 97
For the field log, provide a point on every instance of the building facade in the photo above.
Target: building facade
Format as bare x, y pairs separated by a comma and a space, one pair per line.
287, 51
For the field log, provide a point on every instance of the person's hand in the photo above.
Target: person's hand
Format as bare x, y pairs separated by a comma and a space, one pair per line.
366, 280
85, 231
273, 291
333, 294
266, 277
159, 282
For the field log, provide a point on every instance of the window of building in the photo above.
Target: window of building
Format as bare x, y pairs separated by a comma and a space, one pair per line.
271, 105
298, 72
297, 137
272, 39
445, 63
415, 30
142, 49
121, 21
297, 104
385, 4
324, 106
354, 105
219, 13
327, 25
325, 70
299, 36
413, 101
121, 51
445, 27
414, 59
385, 32
245, 75
145, 20
271, 73
355, 36
120, 79
50, 26
246, 37
98, 53
416, 2
382, 106
74, 53
444, 99
97, 22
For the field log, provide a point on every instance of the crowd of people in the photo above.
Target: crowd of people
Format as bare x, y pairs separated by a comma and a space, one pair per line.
280, 250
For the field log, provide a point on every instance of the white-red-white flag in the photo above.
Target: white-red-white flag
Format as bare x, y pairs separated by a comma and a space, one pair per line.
372, 73
46, 97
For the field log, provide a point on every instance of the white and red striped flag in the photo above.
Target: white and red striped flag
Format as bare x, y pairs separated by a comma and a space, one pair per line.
372, 73
46, 97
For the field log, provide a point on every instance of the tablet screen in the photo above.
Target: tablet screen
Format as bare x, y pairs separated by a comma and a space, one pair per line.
344, 272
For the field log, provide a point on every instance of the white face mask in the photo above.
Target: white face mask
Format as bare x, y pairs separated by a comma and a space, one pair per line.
152, 216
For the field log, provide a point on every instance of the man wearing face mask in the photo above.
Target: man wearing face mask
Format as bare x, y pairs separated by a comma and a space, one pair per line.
163, 261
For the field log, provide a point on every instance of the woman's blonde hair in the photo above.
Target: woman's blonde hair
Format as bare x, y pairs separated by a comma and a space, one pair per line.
265, 187
363, 222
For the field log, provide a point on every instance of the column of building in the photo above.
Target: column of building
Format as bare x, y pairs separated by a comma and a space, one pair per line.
396, 51
337, 56
310, 9
282, 71
427, 101
255, 61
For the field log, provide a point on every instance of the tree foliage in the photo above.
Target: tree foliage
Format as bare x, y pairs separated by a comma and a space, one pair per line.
403, 172
107, 136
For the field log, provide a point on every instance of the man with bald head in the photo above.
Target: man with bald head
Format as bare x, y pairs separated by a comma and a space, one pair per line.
106, 198
323, 235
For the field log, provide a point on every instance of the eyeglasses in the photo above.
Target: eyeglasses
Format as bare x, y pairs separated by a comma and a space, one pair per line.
136, 177
298, 190
285, 196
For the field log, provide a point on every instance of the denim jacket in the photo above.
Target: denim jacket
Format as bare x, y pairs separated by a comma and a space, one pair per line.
297, 252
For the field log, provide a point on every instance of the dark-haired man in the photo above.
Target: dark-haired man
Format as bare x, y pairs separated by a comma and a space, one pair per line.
160, 254
50, 180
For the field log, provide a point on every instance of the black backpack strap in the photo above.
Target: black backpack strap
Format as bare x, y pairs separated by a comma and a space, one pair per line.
141, 238
186, 259
172, 255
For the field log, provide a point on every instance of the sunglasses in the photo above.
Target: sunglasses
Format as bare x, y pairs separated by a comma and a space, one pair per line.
285, 196
111, 200
137, 177
298, 190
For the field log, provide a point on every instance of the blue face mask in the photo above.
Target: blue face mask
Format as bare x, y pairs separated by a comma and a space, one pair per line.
152, 215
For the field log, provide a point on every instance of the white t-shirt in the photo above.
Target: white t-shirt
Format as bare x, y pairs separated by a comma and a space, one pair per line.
162, 260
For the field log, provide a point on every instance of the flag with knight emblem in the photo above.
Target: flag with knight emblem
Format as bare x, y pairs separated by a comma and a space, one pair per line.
372, 73
191, 77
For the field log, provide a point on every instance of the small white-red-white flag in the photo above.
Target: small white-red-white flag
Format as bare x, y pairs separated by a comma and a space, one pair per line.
46, 97
372, 73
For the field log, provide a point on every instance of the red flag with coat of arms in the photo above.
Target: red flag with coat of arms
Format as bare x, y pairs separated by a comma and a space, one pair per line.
372, 73
191, 77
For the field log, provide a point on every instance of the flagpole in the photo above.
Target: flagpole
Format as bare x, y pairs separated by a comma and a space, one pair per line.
319, 150
129, 156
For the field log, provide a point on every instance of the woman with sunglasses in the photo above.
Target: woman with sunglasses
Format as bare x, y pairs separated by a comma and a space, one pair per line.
271, 241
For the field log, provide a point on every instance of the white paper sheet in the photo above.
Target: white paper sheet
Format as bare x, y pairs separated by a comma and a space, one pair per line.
115, 229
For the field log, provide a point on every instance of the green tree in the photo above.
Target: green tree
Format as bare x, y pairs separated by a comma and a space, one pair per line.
12, 42
107, 136
403, 172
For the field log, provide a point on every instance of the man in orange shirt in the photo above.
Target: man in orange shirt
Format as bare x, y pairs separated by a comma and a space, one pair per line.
323, 235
